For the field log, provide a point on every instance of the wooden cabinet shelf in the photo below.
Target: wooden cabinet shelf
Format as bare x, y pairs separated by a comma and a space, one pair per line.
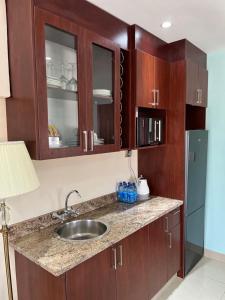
101, 99
151, 147
58, 93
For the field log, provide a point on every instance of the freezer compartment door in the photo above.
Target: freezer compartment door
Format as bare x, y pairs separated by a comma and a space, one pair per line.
194, 238
196, 166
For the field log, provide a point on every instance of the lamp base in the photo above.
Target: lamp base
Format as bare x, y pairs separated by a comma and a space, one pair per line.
4, 230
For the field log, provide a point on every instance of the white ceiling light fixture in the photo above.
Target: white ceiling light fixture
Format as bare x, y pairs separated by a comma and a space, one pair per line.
166, 24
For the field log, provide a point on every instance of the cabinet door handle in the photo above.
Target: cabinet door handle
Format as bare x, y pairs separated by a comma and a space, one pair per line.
154, 98
92, 140
167, 224
120, 263
160, 131
85, 141
170, 240
155, 131
114, 258
157, 93
198, 96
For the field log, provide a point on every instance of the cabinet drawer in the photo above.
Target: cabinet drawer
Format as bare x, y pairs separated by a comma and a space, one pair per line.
172, 219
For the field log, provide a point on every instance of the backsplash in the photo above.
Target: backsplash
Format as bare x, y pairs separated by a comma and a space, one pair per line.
92, 175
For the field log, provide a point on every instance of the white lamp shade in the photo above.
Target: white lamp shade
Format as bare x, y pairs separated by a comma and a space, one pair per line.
17, 173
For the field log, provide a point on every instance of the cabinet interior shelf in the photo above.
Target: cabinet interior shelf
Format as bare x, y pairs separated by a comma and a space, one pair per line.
58, 93
64, 146
102, 99
151, 146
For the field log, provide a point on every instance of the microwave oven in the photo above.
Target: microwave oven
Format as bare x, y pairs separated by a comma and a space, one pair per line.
149, 131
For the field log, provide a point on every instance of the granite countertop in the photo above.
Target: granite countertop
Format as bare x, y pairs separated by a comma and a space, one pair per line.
57, 256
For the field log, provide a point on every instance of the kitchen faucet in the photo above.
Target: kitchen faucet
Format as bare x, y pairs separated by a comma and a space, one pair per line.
68, 211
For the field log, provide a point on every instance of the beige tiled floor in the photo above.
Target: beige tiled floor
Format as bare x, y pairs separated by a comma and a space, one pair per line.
205, 282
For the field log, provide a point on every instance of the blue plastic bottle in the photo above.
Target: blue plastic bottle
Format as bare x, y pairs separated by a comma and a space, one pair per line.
124, 192
135, 192
120, 191
129, 193
132, 193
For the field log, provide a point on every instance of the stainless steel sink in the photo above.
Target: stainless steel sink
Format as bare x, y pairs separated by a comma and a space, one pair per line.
82, 230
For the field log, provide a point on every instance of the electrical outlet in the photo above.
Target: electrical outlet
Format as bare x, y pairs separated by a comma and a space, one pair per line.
129, 153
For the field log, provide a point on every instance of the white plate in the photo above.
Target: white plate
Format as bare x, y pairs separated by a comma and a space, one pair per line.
101, 92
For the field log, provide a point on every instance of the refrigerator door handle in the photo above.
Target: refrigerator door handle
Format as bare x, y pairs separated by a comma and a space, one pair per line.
191, 156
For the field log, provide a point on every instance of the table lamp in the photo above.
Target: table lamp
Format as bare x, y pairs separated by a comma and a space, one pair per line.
17, 177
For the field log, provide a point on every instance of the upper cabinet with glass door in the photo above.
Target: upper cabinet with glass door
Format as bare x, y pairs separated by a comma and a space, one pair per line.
63, 116
103, 91
61, 75
70, 96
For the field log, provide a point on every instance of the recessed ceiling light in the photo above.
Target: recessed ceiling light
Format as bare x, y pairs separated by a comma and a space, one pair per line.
48, 58
166, 24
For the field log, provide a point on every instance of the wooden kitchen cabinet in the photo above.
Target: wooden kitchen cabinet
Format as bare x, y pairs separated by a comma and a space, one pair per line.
95, 279
135, 268
157, 256
103, 110
203, 86
114, 273
173, 241
174, 249
35, 283
66, 88
61, 105
152, 81
164, 250
162, 81
144, 80
196, 84
132, 273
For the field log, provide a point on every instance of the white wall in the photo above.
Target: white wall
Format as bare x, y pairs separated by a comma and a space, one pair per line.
93, 176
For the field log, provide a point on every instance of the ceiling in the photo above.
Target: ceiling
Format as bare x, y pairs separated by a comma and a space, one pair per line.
200, 21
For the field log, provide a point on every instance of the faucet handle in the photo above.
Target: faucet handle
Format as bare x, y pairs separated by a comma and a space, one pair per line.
58, 215
72, 212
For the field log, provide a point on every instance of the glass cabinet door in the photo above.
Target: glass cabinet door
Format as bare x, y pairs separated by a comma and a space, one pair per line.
104, 94
103, 97
62, 83
61, 98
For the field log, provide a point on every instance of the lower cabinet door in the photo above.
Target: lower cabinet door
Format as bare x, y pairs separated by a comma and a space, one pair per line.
157, 256
132, 267
174, 260
94, 279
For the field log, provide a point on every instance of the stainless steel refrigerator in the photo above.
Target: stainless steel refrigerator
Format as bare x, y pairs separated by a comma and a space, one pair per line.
195, 190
